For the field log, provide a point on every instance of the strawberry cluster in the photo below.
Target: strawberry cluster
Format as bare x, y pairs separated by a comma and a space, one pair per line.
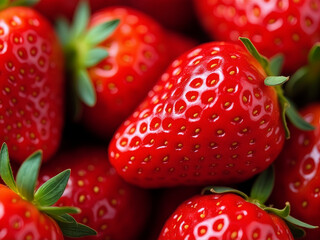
164, 119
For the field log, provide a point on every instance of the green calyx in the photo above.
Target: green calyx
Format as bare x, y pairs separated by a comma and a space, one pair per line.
46, 195
9, 3
273, 69
260, 192
82, 50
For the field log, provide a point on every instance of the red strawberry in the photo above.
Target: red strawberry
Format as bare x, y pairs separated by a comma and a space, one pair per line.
223, 216
114, 208
209, 119
113, 82
288, 27
231, 214
25, 214
298, 171
20, 213
31, 83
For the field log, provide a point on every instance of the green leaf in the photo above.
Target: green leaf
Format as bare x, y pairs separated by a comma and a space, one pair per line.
74, 229
4, 4
85, 89
94, 56
296, 78
51, 191
279, 212
254, 52
299, 223
297, 120
5, 168
276, 64
275, 80
59, 210
263, 185
314, 54
100, 32
28, 175
62, 29
227, 190
81, 19
284, 104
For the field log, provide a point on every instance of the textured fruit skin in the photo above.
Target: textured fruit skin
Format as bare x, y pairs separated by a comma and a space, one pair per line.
112, 207
223, 216
137, 57
20, 219
210, 119
31, 83
298, 171
289, 27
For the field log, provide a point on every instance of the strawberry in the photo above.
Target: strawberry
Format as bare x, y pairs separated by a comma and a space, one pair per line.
230, 214
288, 27
124, 54
114, 208
31, 82
26, 214
297, 172
209, 119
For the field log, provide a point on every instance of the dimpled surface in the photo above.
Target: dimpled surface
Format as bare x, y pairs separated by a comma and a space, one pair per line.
209, 119
21, 220
220, 217
137, 57
290, 27
298, 171
115, 209
31, 84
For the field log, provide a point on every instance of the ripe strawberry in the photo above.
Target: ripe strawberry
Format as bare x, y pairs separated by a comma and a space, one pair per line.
297, 172
113, 75
288, 27
114, 208
31, 83
26, 214
230, 214
209, 119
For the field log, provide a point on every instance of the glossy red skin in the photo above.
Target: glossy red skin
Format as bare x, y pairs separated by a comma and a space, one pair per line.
20, 219
137, 57
219, 217
298, 173
115, 209
31, 83
202, 123
287, 27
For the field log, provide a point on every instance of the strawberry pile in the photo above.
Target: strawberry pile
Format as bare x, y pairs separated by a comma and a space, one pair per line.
164, 119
